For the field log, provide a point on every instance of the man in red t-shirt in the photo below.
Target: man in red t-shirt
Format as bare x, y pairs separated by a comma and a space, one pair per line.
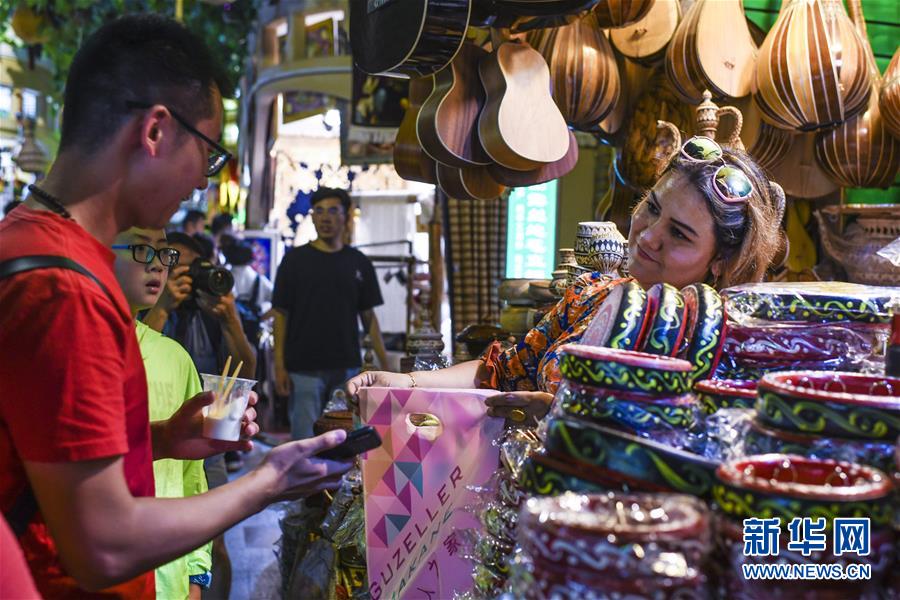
142, 108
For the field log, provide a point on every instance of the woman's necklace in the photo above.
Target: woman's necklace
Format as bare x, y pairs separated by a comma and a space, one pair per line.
50, 201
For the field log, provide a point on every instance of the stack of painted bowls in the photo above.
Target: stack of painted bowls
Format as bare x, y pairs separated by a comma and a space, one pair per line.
846, 416
788, 487
613, 546
621, 422
805, 326
715, 394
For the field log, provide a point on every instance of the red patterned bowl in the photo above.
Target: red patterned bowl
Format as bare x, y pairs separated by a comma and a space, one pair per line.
831, 403
788, 486
624, 370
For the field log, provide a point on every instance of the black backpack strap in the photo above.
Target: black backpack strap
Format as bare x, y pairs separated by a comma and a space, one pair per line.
23, 264
25, 506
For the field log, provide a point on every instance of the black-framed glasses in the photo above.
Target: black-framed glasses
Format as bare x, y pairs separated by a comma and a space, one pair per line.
730, 183
145, 253
218, 156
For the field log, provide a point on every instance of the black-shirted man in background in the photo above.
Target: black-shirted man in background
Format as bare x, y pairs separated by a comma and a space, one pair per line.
322, 290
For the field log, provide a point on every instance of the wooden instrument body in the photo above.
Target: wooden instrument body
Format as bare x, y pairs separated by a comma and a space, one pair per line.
520, 126
470, 183
411, 38
583, 72
620, 13
889, 100
544, 173
410, 160
447, 125
646, 40
812, 71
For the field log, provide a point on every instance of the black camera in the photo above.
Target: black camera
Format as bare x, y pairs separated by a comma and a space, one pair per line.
209, 278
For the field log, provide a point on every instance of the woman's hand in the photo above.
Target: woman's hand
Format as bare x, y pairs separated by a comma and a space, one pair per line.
377, 379
519, 407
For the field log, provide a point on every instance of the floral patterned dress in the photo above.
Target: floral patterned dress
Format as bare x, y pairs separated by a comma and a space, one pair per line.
533, 363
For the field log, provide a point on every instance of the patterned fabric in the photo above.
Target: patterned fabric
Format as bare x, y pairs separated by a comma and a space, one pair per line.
533, 363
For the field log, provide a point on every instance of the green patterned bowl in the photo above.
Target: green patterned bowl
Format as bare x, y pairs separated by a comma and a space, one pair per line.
629, 410
651, 465
666, 318
624, 370
544, 475
704, 346
838, 404
787, 486
621, 321
714, 394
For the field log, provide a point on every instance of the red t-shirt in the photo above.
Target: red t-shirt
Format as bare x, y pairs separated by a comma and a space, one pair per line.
72, 383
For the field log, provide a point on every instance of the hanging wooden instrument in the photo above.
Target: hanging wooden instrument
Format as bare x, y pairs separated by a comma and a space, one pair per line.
712, 49
812, 70
767, 144
645, 41
447, 125
889, 99
470, 183
620, 13
411, 38
520, 126
583, 75
410, 160
860, 152
799, 172
542, 174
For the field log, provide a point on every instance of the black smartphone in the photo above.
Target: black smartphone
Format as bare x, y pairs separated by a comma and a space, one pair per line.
358, 441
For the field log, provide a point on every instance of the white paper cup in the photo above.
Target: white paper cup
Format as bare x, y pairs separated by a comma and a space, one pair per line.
222, 418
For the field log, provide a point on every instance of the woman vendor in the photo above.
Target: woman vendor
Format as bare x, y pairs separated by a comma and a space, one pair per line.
712, 217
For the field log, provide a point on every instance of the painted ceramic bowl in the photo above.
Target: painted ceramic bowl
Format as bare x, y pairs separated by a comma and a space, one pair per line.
801, 342
788, 486
653, 465
762, 439
621, 320
624, 370
714, 394
666, 318
818, 302
633, 411
639, 544
832, 404
704, 348
544, 475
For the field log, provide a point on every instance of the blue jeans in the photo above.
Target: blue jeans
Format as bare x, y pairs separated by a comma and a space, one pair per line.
311, 392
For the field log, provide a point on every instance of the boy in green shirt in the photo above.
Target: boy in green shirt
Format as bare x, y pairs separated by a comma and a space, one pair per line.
142, 264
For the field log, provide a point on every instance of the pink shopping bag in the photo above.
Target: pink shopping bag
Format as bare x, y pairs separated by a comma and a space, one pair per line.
436, 443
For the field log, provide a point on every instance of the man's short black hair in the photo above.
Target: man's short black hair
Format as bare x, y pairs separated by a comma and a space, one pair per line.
142, 58
207, 246
323, 193
238, 254
183, 239
220, 223
193, 216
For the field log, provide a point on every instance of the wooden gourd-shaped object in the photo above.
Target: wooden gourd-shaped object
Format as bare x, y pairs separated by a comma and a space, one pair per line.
620, 13
767, 144
712, 49
584, 77
860, 152
889, 99
410, 160
520, 126
550, 171
447, 125
470, 183
645, 41
812, 70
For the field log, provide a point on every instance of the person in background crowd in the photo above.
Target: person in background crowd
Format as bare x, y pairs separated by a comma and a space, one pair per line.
322, 290
222, 229
141, 112
250, 287
194, 222
207, 247
143, 259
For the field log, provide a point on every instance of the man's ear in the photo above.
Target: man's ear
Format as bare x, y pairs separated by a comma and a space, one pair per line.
155, 127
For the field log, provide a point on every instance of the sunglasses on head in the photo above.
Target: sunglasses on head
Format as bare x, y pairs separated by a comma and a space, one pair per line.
730, 183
